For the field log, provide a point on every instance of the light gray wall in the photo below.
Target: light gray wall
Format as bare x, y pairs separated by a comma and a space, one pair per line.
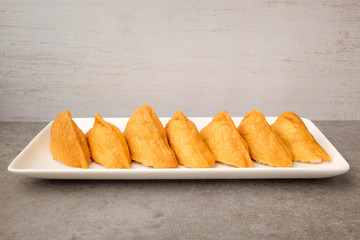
197, 56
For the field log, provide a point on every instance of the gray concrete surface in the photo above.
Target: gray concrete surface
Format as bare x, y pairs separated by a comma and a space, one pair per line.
199, 209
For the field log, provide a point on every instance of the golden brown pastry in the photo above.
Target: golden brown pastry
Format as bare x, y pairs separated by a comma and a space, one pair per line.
264, 144
296, 136
188, 146
147, 139
225, 141
68, 143
108, 146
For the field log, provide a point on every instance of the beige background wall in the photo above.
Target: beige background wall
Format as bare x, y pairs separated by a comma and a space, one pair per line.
197, 56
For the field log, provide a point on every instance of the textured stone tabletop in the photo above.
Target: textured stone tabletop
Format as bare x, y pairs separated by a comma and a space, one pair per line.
183, 209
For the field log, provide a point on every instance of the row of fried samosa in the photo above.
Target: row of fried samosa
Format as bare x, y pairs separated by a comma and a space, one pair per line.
145, 140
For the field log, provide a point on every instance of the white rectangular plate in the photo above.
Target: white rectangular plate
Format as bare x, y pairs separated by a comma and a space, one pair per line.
36, 161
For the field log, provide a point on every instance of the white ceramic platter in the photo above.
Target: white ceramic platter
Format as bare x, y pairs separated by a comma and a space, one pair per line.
36, 161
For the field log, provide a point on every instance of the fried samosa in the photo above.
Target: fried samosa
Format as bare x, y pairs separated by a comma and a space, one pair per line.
226, 142
68, 143
108, 146
264, 144
187, 144
294, 133
147, 139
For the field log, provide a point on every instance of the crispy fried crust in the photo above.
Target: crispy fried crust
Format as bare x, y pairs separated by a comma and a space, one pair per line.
189, 148
294, 133
264, 144
68, 143
225, 141
108, 145
147, 139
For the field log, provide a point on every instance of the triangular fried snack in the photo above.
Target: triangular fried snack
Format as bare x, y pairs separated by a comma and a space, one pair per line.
107, 144
294, 133
147, 139
226, 142
264, 144
189, 148
68, 143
